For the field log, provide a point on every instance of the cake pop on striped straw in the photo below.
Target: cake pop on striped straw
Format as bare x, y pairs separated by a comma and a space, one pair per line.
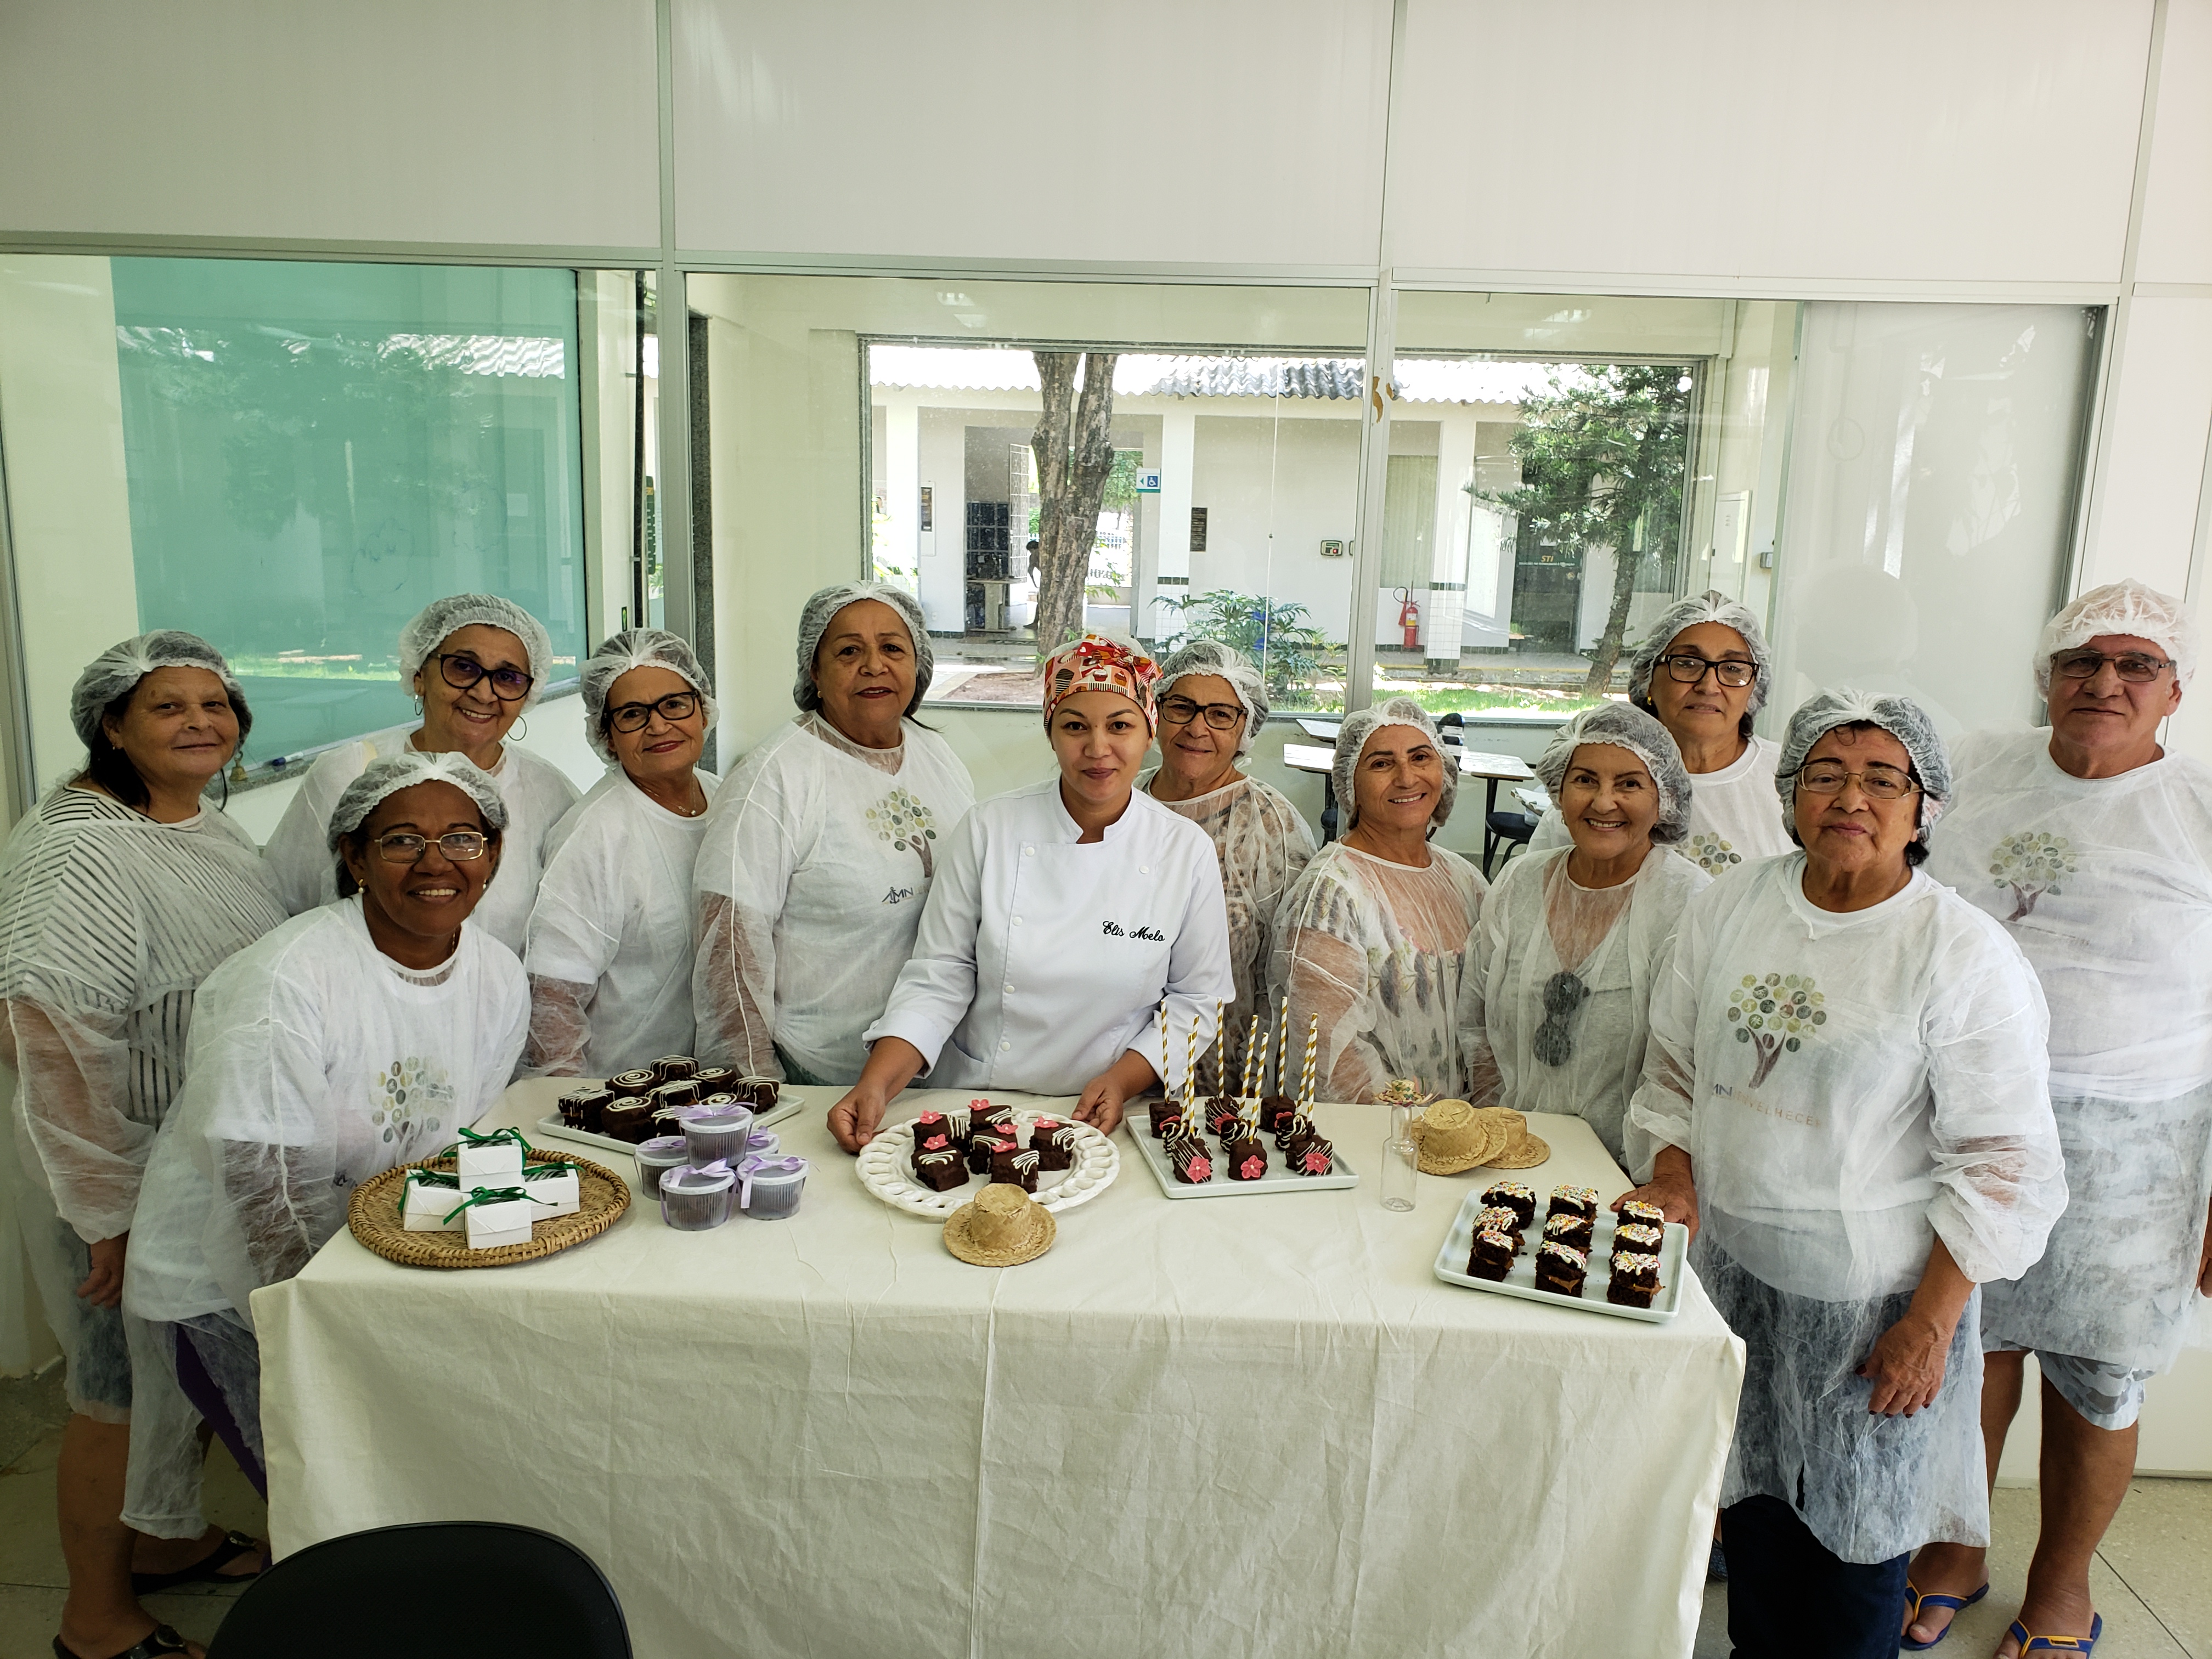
1306, 1078
1251, 1048
1282, 1049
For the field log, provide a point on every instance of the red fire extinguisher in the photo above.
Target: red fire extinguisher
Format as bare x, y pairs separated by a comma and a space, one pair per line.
1409, 618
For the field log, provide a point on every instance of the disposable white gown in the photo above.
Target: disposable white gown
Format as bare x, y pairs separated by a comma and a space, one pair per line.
609, 944
316, 1063
1618, 941
1849, 1088
1378, 951
1736, 817
1262, 844
818, 858
537, 794
2105, 883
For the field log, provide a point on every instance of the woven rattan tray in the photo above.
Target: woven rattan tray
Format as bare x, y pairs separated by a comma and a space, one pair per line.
373, 1216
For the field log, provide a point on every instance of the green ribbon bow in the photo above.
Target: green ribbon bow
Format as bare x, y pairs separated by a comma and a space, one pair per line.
509, 1136
546, 1171
494, 1195
433, 1178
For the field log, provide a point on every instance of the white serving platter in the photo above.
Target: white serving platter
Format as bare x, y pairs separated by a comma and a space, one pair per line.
552, 1126
1278, 1179
1520, 1281
886, 1169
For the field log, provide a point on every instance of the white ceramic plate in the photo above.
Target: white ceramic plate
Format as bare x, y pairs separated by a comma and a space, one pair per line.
1520, 1281
552, 1126
1278, 1179
887, 1171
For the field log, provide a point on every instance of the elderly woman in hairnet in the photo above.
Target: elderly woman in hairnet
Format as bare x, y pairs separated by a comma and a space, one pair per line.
120, 892
2091, 845
352, 1039
1847, 1088
1075, 925
1372, 939
1703, 671
821, 847
475, 663
1571, 941
608, 951
1212, 704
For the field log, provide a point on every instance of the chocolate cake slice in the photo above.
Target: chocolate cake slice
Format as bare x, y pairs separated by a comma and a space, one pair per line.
932, 1134
1499, 1219
1635, 1281
1221, 1118
1637, 1241
581, 1108
1312, 1156
1013, 1166
1561, 1269
1574, 1230
1512, 1195
628, 1119
672, 1068
715, 1079
1165, 1115
1053, 1142
1274, 1110
1247, 1158
1573, 1200
1186, 1157
940, 1171
1638, 1214
632, 1083
983, 1148
1493, 1255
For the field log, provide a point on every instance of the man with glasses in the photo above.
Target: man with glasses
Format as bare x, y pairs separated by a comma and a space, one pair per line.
1213, 702
2092, 846
1703, 670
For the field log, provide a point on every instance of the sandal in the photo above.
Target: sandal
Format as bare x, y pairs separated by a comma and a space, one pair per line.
2059, 1643
158, 1641
209, 1567
1935, 1599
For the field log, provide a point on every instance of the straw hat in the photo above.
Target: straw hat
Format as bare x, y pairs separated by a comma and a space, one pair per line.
1003, 1228
1455, 1136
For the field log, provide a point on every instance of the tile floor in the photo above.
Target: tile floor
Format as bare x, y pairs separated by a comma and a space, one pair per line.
2153, 1575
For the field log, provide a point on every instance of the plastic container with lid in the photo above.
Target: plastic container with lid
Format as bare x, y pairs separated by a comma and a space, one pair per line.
718, 1135
762, 1143
770, 1187
694, 1201
657, 1156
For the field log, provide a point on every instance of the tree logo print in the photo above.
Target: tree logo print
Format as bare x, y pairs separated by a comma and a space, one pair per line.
1776, 1015
1711, 854
2030, 865
409, 1090
906, 824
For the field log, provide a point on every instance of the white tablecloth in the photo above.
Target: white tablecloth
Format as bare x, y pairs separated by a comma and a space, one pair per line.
1208, 1427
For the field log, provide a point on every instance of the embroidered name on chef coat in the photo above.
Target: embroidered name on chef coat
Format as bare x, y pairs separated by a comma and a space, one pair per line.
1115, 930
897, 895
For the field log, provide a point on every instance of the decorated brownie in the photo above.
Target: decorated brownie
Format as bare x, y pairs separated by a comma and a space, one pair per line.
940, 1171
761, 1092
1186, 1157
1493, 1255
983, 1148
1512, 1195
1574, 1201
628, 1119
932, 1134
1575, 1230
1014, 1166
1221, 1118
1311, 1156
713, 1079
1246, 1157
960, 1123
632, 1083
677, 1091
1053, 1142
1634, 1240
580, 1109
1499, 1219
1638, 1214
672, 1069
1561, 1268
1635, 1281
998, 1119
1274, 1111
1296, 1127
724, 1098
1165, 1115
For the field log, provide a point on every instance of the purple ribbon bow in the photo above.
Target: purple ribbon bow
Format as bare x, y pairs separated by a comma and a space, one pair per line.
680, 1177
755, 1165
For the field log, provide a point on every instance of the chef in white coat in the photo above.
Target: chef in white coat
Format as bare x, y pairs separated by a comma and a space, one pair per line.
608, 951
1063, 915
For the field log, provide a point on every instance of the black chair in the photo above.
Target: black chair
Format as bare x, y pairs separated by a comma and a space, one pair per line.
1506, 829
447, 1589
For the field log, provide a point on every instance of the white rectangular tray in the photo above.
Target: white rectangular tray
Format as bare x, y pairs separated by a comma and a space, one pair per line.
1276, 1180
1520, 1281
560, 1131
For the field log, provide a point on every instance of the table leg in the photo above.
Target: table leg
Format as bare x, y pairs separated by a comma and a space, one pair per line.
1490, 836
1327, 808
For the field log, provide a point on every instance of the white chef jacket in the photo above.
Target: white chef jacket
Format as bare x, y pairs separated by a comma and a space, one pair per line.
1735, 817
537, 793
1041, 960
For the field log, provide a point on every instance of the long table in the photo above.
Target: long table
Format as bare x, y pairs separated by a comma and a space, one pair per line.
1233, 1426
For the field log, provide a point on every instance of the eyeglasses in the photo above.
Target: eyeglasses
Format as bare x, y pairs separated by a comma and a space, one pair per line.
1181, 711
1688, 668
633, 716
2134, 668
508, 685
1875, 783
405, 846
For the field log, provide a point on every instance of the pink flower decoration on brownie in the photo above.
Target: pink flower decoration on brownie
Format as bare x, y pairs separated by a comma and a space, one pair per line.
1200, 1170
1317, 1163
932, 1143
1253, 1168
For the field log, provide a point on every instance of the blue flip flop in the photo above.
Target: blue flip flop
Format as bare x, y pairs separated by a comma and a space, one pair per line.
2059, 1644
1937, 1599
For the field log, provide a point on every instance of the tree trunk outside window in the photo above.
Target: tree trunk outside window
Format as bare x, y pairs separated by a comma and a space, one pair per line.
1074, 450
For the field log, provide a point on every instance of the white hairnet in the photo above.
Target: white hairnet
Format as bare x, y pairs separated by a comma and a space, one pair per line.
120, 667
637, 648
1902, 718
1212, 657
2125, 606
394, 772
1713, 606
1629, 728
1351, 738
814, 622
436, 622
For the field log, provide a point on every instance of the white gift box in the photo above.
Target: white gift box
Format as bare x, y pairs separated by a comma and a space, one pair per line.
425, 1205
492, 1225
496, 1165
556, 1190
